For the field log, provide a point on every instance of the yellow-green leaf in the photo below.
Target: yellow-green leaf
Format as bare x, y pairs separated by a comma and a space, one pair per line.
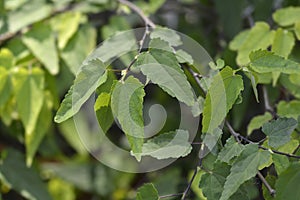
287, 16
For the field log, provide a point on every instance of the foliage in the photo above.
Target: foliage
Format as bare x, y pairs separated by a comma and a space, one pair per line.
248, 100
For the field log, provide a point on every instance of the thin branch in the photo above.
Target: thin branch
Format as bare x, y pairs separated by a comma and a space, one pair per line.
170, 195
265, 182
260, 176
186, 191
139, 12
235, 134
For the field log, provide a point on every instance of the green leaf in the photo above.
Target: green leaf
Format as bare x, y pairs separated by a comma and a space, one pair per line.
103, 111
87, 80
283, 43
287, 16
127, 107
61, 189
245, 167
5, 86
78, 47
197, 108
161, 68
297, 30
279, 131
17, 175
147, 192
6, 58
173, 144
184, 57
257, 122
281, 163
33, 139
167, 35
289, 109
259, 37
230, 150
289, 86
42, 44
263, 61
28, 88
239, 40
65, 25
287, 185
221, 96
212, 183
115, 46
29, 13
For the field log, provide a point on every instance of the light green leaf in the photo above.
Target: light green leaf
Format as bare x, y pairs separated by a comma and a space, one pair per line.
289, 109
283, 43
279, 131
289, 86
210, 139
287, 185
263, 61
287, 16
257, 122
29, 13
230, 150
259, 37
239, 40
42, 44
297, 30
167, 35
157, 43
127, 107
115, 46
5, 86
28, 88
173, 144
103, 111
61, 189
221, 96
219, 64
34, 138
147, 192
245, 167
78, 47
295, 79
17, 175
87, 80
197, 108
6, 58
65, 25
184, 57
281, 163
161, 68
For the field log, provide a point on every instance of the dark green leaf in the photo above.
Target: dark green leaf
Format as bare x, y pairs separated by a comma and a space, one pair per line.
287, 185
230, 150
279, 131
245, 167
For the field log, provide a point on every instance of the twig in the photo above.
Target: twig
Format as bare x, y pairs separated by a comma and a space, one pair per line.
260, 176
186, 191
139, 12
170, 195
235, 134
265, 182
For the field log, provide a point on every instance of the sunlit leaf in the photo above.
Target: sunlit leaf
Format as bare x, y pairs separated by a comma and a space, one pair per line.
257, 122
287, 16
41, 42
